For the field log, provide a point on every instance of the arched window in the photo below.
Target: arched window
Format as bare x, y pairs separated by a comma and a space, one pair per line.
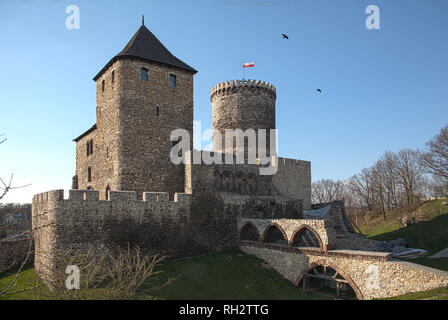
251, 183
102, 85
240, 182
304, 237
273, 235
113, 76
157, 111
217, 181
144, 74
87, 148
249, 233
227, 181
89, 174
107, 192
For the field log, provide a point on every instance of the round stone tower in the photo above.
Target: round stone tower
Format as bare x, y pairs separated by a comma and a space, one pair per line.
242, 104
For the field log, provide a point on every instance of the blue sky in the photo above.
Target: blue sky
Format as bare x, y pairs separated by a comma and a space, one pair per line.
382, 89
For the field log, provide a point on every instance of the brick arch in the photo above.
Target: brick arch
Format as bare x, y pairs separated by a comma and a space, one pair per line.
249, 223
274, 224
322, 246
313, 265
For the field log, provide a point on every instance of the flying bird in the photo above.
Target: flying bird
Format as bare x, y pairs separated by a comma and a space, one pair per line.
284, 36
318, 90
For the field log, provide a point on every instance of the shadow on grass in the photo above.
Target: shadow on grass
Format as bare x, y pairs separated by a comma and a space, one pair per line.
430, 235
225, 275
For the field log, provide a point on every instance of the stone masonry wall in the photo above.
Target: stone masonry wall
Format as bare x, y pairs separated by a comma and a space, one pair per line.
293, 180
289, 227
246, 104
132, 140
191, 224
359, 268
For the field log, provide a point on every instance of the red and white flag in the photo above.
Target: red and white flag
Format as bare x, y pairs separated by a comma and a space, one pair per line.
248, 64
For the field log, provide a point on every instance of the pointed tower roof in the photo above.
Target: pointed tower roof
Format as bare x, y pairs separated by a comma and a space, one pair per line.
145, 45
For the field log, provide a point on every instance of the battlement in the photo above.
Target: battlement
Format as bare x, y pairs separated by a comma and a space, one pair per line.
293, 162
124, 196
234, 85
49, 196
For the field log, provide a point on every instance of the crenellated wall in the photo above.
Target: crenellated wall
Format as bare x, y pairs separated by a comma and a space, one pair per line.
194, 223
242, 104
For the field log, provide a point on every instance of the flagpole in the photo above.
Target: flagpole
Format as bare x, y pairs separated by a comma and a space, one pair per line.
243, 71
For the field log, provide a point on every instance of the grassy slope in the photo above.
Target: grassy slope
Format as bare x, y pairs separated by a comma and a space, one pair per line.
431, 235
226, 275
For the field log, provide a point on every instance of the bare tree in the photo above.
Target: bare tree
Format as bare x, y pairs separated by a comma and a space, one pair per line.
435, 159
106, 274
14, 253
327, 190
410, 173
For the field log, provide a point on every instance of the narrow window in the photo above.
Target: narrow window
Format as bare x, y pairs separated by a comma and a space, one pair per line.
91, 147
107, 192
87, 148
102, 85
144, 74
113, 76
157, 111
107, 152
89, 174
172, 81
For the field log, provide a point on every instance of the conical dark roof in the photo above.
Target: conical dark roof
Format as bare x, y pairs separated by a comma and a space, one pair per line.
145, 45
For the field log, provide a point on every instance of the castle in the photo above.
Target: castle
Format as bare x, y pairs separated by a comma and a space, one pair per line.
126, 190
143, 94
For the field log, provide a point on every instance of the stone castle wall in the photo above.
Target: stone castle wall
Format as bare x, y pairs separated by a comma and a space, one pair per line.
293, 179
292, 182
191, 224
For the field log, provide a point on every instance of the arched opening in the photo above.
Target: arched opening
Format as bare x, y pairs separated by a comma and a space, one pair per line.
218, 181
227, 181
306, 237
274, 235
107, 193
249, 233
240, 182
327, 279
251, 182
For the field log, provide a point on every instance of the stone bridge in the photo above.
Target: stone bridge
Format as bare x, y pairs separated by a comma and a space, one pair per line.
309, 253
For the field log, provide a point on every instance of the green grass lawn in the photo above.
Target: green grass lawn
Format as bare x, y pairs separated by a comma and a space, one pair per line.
225, 275
373, 224
431, 235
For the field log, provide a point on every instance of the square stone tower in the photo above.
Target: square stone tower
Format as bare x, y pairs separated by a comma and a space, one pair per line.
142, 94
